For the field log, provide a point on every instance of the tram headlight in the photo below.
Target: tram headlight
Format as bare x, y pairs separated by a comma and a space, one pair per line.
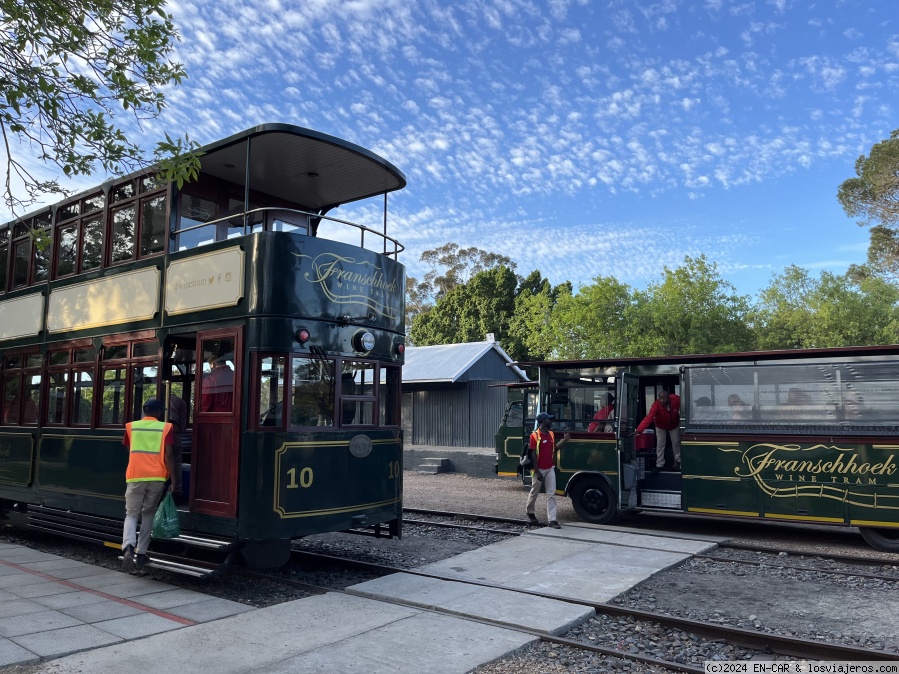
401, 348
302, 335
364, 341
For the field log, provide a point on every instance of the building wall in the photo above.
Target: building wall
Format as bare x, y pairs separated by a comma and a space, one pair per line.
455, 415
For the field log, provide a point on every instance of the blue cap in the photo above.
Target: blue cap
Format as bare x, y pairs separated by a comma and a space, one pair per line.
543, 416
153, 407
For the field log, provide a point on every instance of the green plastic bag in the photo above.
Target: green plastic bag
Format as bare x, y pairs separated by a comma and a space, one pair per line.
167, 523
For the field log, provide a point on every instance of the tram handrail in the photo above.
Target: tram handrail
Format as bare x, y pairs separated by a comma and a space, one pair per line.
397, 246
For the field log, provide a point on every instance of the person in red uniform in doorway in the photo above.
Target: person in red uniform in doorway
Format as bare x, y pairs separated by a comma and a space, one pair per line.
543, 444
665, 413
218, 386
150, 464
604, 414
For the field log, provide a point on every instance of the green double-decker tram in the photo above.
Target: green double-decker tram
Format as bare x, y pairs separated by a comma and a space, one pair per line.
279, 325
802, 436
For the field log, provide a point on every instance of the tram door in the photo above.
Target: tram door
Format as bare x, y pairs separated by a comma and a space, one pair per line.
216, 423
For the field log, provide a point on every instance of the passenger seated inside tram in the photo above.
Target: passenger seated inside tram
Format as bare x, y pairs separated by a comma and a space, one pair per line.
738, 408
606, 412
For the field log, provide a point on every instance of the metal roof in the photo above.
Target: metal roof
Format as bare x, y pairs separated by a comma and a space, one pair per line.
448, 362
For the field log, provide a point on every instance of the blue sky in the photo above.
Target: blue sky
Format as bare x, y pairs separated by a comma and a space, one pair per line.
579, 138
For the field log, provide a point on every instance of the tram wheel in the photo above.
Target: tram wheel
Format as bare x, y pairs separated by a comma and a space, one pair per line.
885, 539
593, 500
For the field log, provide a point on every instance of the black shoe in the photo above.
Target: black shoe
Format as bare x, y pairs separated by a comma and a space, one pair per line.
128, 558
654, 471
555, 525
676, 468
142, 561
532, 519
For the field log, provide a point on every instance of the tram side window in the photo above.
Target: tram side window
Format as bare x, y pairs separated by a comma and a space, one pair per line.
82, 397
389, 396
152, 226
114, 381
271, 391
195, 211
4, 254
312, 392
56, 397
21, 390
122, 248
144, 388
357, 393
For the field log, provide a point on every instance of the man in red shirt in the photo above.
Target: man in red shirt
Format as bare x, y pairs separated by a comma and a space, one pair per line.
665, 413
604, 414
543, 444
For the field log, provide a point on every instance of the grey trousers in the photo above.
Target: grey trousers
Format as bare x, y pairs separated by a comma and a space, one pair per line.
661, 435
539, 477
141, 501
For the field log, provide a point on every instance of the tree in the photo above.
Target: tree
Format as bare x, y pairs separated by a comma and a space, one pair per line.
67, 69
593, 323
693, 310
799, 312
470, 310
873, 197
450, 267
532, 330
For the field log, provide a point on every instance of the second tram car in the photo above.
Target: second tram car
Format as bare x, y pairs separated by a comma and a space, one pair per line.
280, 327
802, 436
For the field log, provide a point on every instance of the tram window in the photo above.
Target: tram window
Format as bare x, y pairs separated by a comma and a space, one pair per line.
122, 247
217, 384
113, 396
144, 388
4, 252
84, 355
195, 211
389, 396
115, 352
68, 211
94, 203
56, 398
21, 263
66, 250
122, 192
271, 386
150, 183
21, 407
92, 247
153, 226
357, 380
144, 349
82, 397
11, 405
32, 399
357, 413
279, 225
59, 357
312, 392
43, 253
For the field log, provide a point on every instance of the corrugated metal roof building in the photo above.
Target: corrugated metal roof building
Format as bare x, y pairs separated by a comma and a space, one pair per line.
447, 398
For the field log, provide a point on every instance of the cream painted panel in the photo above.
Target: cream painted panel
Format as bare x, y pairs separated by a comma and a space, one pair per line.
130, 296
22, 316
205, 281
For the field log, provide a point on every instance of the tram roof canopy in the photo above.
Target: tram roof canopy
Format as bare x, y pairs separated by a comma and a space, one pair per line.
301, 165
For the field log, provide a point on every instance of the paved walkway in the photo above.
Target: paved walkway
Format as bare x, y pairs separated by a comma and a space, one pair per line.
53, 606
50, 606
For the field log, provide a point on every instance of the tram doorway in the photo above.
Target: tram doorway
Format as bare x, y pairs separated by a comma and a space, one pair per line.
204, 370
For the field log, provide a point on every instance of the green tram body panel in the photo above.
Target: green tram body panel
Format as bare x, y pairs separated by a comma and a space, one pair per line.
831, 459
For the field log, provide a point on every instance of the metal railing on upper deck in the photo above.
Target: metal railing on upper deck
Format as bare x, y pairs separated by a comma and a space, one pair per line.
266, 225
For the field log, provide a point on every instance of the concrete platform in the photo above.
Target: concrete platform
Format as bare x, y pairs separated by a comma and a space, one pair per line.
399, 624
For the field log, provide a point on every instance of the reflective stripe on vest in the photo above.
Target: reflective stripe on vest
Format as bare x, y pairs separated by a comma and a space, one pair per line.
147, 461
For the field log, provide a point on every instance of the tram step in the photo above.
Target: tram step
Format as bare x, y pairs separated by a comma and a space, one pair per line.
90, 528
174, 565
669, 500
432, 466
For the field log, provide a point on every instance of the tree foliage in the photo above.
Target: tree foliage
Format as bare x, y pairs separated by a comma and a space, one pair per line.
68, 68
873, 197
797, 311
451, 266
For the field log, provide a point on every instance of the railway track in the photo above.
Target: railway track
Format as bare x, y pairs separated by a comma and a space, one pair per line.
762, 642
